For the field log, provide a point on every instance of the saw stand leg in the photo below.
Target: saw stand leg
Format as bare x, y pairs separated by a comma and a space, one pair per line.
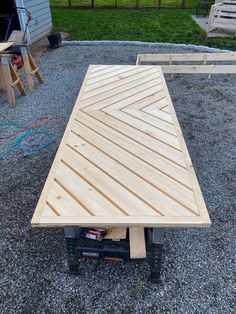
10, 79
71, 234
31, 69
157, 247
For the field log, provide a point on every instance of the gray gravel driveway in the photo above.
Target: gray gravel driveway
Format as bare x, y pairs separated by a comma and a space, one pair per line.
198, 264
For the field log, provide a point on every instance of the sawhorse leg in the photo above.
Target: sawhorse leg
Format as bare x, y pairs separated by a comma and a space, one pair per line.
31, 69
71, 234
7, 81
10, 79
155, 263
16, 80
2, 77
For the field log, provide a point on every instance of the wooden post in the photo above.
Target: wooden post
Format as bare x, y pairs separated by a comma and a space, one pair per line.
8, 82
2, 77
158, 4
183, 4
171, 63
69, 4
92, 3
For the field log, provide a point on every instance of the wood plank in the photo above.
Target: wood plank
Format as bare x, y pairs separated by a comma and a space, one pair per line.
103, 72
136, 74
129, 221
166, 109
208, 69
50, 179
87, 195
99, 68
136, 149
194, 68
128, 178
65, 204
229, 56
120, 93
17, 37
108, 81
152, 120
152, 131
112, 189
48, 212
115, 72
137, 243
140, 137
117, 233
5, 46
145, 171
197, 191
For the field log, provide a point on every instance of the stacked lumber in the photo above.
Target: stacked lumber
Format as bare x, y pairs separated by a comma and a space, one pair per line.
176, 62
223, 16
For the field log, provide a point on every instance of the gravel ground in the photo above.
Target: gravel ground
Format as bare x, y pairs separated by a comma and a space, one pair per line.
198, 265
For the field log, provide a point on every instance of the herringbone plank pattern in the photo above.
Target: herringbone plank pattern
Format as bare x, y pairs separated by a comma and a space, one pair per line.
123, 159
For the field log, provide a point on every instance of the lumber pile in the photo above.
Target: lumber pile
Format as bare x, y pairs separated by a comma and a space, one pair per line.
223, 16
209, 63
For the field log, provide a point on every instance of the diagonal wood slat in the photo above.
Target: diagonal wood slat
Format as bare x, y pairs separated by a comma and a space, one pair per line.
123, 159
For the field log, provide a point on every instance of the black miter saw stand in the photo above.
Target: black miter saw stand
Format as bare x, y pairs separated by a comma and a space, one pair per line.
80, 248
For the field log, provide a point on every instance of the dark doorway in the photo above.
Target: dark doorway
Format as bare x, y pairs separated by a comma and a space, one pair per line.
8, 19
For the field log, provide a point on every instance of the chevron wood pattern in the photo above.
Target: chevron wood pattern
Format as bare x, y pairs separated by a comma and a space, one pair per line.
123, 159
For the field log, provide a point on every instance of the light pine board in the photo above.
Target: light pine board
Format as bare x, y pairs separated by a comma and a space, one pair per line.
205, 58
4, 46
122, 160
182, 57
137, 243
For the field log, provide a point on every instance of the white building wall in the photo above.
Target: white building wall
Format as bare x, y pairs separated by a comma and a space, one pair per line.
41, 22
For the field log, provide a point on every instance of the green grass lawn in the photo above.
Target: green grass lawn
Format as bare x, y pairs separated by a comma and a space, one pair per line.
174, 26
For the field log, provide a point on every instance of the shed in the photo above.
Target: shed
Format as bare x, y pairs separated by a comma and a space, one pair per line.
14, 14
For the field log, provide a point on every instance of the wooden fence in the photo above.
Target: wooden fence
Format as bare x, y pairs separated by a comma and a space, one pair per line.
119, 4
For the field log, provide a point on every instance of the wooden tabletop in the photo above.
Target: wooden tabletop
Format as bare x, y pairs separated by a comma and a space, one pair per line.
4, 46
123, 160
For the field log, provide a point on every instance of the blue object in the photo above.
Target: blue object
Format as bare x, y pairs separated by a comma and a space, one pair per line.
18, 144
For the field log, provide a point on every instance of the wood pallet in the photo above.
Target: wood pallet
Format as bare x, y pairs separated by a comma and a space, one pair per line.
205, 58
230, 2
122, 160
223, 16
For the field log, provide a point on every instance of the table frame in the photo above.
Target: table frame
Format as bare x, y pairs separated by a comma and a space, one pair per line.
79, 249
